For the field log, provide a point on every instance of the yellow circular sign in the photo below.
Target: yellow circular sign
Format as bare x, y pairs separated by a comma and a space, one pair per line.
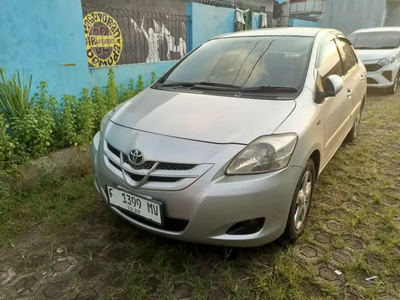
103, 39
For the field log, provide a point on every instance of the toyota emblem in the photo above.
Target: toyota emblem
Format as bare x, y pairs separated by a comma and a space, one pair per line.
136, 157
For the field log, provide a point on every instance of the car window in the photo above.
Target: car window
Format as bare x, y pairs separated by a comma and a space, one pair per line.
246, 62
377, 40
346, 54
328, 61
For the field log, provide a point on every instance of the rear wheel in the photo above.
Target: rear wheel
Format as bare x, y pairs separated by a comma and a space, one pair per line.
393, 88
352, 135
301, 203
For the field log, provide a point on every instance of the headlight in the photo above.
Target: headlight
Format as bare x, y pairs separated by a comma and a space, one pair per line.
387, 61
265, 154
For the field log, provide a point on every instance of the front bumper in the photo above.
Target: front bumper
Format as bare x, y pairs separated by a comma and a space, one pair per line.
381, 78
213, 203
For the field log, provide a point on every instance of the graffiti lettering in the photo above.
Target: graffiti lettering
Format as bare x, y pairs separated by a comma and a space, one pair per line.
103, 39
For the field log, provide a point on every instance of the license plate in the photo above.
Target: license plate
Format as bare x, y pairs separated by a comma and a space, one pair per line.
139, 206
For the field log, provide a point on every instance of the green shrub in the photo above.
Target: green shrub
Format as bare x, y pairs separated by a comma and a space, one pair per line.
139, 85
100, 106
111, 91
33, 127
67, 120
14, 96
6, 144
153, 77
84, 116
33, 132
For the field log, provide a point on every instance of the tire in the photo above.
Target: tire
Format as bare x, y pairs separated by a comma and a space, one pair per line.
297, 221
393, 88
352, 135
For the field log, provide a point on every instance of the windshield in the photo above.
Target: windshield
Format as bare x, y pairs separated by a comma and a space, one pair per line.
375, 40
267, 64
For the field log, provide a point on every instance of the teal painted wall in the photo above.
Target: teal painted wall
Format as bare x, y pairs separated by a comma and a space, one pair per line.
303, 23
210, 21
123, 73
256, 23
40, 37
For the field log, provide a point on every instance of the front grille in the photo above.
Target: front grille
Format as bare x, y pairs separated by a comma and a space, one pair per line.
113, 150
170, 224
164, 176
136, 177
175, 167
371, 81
373, 67
115, 165
387, 75
149, 164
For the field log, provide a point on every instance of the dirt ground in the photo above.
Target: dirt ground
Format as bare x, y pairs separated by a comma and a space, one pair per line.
353, 235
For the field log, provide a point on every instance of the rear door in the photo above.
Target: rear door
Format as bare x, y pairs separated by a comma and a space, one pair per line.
354, 78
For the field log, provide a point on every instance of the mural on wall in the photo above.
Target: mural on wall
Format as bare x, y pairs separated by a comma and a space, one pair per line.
147, 37
103, 39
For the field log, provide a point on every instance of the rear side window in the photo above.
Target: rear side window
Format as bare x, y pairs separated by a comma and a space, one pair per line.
347, 54
328, 62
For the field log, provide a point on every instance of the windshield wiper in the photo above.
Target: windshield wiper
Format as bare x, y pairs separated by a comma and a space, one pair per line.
179, 83
270, 89
202, 85
361, 48
386, 47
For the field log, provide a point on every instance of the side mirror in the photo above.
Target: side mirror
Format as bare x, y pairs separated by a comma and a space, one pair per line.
333, 86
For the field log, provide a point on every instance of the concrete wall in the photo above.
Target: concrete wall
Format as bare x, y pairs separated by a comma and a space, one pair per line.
45, 38
303, 23
393, 13
123, 73
350, 15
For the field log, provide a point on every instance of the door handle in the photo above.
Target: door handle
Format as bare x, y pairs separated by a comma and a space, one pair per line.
349, 92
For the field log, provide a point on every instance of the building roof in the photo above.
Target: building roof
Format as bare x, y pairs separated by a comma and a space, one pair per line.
288, 31
378, 29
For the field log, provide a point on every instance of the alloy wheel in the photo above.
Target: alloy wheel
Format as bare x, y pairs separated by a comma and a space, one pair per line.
303, 200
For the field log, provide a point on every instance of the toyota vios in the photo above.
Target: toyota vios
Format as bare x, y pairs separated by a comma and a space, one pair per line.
379, 50
226, 147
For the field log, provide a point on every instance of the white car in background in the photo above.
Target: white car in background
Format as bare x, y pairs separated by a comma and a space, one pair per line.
379, 50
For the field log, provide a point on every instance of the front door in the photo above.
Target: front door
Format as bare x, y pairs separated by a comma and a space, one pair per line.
335, 109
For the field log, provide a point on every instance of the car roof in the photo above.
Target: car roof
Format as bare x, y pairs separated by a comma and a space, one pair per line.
286, 31
378, 29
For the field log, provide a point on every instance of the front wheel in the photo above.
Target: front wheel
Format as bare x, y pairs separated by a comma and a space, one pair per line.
393, 88
301, 203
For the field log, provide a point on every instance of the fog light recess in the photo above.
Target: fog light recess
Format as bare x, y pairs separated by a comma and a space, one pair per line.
246, 227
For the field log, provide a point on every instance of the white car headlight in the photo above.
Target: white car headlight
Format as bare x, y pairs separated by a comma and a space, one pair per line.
387, 61
265, 154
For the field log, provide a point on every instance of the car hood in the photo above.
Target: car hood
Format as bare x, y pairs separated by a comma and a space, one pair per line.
215, 119
374, 54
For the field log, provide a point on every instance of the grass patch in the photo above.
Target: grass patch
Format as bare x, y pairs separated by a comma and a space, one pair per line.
56, 201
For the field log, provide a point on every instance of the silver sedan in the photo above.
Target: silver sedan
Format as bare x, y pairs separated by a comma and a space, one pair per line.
226, 147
